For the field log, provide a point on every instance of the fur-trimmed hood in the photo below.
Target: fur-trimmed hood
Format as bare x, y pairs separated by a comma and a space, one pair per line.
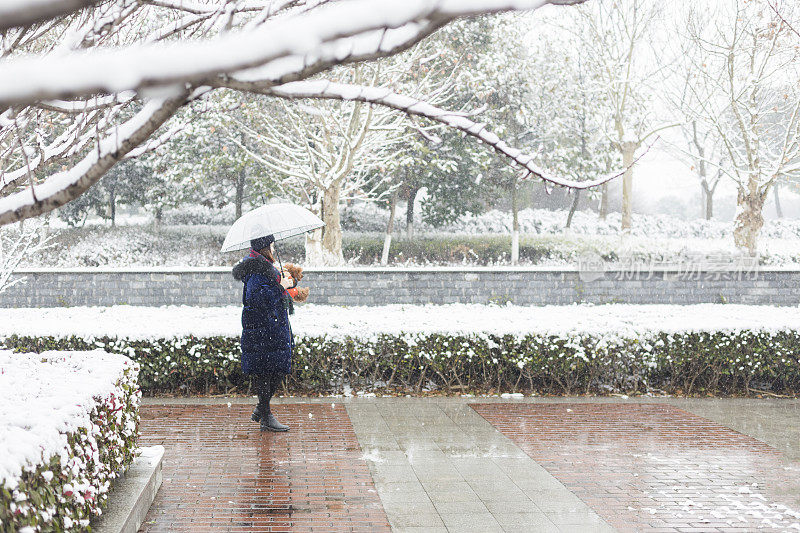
253, 265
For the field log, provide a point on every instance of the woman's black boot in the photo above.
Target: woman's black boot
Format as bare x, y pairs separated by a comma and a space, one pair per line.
270, 423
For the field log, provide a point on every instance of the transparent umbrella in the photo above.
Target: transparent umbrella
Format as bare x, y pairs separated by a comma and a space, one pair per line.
279, 220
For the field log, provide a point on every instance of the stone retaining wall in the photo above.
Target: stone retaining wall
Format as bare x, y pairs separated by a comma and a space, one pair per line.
522, 286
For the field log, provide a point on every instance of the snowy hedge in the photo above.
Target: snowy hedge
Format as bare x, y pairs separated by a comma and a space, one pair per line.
455, 348
68, 424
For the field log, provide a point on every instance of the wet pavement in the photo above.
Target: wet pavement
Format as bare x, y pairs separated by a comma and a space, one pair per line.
478, 464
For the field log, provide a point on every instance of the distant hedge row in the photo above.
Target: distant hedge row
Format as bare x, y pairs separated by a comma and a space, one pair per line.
736, 362
450, 249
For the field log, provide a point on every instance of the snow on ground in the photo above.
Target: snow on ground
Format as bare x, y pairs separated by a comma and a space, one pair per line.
363, 217
364, 322
193, 236
40, 402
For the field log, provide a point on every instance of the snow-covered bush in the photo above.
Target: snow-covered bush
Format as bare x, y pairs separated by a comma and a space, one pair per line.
126, 246
361, 217
199, 214
724, 349
68, 425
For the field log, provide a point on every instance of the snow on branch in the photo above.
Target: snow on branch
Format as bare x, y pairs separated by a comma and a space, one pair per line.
15, 13
84, 106
201, 8
413, 106
65, 99
24, 80
62, 187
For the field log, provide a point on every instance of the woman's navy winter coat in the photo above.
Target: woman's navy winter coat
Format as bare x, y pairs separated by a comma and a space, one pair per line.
266, 335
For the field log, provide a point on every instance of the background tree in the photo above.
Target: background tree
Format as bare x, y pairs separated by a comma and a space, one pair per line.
208, 160
614, 39
747, 92
566, 106
327, 152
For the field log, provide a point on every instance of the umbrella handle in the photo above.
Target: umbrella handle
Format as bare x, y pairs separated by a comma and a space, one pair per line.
279, 259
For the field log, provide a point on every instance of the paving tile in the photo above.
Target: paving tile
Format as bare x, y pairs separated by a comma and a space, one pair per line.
384, 473
525, 522
404, 487
453, 507
437, 472
411, 518
471, 522
415, 498
401, 506
513, 507
646, 467
463, 464
222, 474
498, 491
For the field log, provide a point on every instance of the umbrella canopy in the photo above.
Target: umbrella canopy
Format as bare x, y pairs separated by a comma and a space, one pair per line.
280, 220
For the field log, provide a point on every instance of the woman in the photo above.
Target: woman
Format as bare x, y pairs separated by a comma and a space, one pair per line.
266, 335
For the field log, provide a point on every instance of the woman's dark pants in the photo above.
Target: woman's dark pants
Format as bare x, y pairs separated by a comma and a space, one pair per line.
266, 385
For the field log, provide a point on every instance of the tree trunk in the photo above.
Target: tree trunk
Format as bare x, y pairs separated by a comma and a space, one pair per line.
514, 225
749, 220
604, 201
332, 233
112, 207
412, 195
240, 192
159, 216
573, 207
778, 209
703, 200
387, 241
313, 247
628, 150
707, 200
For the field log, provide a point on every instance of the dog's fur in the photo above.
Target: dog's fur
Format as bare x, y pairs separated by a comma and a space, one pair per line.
296, 273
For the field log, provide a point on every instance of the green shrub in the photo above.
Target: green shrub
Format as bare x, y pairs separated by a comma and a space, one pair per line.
682, 363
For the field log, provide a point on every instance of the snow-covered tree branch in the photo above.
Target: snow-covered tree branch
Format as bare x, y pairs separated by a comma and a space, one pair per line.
413, 106
26, 13
84, 84
15, 244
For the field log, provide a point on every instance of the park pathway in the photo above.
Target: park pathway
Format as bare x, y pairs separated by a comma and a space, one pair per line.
478, 464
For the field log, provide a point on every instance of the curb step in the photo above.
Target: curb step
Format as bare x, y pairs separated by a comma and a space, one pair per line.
132, 494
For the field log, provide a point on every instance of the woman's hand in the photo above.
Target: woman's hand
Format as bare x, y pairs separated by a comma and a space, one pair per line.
287, 283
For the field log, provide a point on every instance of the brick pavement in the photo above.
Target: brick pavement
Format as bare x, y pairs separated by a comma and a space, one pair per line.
655, 467
222, 474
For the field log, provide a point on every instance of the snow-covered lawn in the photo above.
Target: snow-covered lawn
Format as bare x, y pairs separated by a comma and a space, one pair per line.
66, 428
312, 320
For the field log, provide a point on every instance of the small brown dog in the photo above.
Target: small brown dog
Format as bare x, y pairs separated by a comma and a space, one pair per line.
294, 272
